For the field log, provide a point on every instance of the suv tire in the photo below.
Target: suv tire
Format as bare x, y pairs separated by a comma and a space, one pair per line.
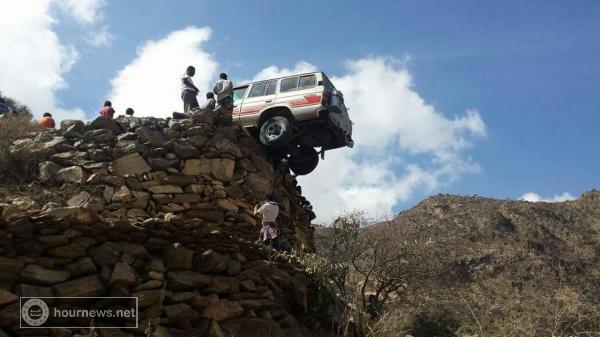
304, 161
276, 132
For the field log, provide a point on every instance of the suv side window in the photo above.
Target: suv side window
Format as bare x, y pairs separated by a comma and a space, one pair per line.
238, 93
307, 81
272, 88
289, 84
258, 89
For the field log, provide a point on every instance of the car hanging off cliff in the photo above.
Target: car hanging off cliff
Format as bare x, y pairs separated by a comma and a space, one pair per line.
293, 115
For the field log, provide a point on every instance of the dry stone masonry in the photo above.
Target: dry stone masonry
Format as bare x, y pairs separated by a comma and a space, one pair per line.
161, 210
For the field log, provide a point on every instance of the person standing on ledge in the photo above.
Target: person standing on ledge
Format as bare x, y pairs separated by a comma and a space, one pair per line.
269, 234
189, 91
107, 110
47, 121
224, 90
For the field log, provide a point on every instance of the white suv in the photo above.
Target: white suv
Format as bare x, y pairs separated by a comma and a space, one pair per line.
294, 114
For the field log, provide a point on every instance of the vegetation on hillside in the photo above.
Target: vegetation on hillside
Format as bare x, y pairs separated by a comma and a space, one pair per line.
468, 266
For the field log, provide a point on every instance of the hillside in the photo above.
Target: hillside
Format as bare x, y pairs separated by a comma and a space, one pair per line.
160, 210
502, 267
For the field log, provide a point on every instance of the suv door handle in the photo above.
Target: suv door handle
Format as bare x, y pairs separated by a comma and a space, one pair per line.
269, 101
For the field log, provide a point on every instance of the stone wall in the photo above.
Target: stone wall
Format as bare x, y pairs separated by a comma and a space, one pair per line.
160, 210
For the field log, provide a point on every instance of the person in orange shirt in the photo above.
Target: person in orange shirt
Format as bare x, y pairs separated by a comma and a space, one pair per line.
47, 121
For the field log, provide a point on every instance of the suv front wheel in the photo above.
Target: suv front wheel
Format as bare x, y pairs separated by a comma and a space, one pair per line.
276, 132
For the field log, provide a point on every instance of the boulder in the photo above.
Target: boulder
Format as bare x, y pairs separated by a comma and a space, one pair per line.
106, 124
186, 279
47, 170
131, 164
6, 297
176, 256
80, 200
71, 125
222, 169
165, 189
210, 262
123, 274
72, 174
35, 274
147, 135
223, 310
182, 149
251, 327
99, 136
81, 287
197, 167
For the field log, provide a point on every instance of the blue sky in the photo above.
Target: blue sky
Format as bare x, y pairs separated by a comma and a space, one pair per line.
529, 69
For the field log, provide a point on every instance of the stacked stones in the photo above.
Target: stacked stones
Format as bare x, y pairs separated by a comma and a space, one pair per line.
162, 212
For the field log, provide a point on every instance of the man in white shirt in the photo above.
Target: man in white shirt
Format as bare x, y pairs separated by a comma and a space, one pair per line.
224, 90
269, 233
189, 91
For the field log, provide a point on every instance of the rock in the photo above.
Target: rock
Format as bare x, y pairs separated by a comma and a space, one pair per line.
179, 179
210, 262
71, 125
176, 256
122, 195
147, 135
72, 174
197, 167
79, 200
26, 290
165, 189
214, 330
162, 163
186, 279
225, 285
106, 254
234, 267
149, 297
222, 310
227, 205
258, 184
41, 276
99, 136
123, 274
72, 250
182, 149
222, 169
84, 266
47, 170
151, 284
85, 286
51, 241
6, 297
98, 155
131, 164
215, 216
248, 285
201, 302
104, 123
10, 268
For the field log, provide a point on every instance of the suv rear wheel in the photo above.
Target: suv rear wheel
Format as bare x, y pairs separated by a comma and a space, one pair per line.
304, 160
275, 132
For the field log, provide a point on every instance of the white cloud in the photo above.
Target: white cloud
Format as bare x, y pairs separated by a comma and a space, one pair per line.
156, 71
403, 146
273, 71
84, 11
534, 197
34, 60
100, 37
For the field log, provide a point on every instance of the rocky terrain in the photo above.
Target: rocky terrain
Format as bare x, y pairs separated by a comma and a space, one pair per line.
502, 267
157, 209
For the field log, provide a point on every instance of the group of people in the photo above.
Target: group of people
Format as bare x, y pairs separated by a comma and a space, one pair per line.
219, 100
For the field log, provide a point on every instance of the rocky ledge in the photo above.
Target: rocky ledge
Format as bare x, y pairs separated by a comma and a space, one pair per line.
160, 210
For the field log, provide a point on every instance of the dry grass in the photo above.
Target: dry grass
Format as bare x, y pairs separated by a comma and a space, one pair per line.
14, 169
